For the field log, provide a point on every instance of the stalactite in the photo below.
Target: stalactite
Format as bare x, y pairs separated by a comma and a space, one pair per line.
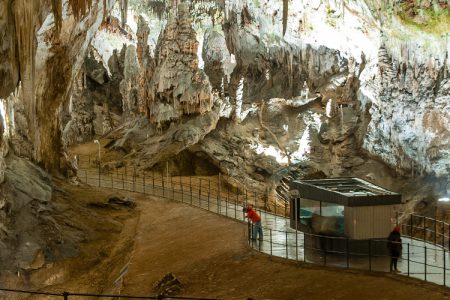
25, 13
123, 12
285, 15
105, 11
57, 13
80, 7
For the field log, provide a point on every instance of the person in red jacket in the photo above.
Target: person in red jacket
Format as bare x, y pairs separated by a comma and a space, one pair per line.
256, 222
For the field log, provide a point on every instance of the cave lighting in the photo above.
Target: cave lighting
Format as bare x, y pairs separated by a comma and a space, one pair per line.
444, 199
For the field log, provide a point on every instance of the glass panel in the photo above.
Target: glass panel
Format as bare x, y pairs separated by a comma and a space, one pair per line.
308, 208
332, 219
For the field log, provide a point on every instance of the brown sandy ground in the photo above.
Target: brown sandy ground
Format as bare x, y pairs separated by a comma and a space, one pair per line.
103, 238
210, 256
207, 252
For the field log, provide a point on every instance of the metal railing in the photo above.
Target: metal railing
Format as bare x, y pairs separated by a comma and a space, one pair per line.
69, 295
167, 185
418, 259
427, 229
425, 259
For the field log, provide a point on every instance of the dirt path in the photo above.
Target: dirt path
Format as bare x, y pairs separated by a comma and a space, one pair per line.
209, 255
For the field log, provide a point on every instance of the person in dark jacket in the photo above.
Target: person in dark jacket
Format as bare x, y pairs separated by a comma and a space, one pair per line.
395, 247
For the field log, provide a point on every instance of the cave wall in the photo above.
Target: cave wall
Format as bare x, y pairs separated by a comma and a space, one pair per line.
409, 108
45, 43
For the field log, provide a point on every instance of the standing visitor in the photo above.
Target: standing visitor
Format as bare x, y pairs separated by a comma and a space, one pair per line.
256, 222
395, 247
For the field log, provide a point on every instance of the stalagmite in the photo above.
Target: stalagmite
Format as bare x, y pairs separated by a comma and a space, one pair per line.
130, 83
142, 44
177, 86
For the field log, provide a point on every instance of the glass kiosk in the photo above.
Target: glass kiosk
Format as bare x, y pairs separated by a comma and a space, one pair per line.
341, 213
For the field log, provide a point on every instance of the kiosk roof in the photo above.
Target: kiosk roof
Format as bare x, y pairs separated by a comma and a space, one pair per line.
347, 191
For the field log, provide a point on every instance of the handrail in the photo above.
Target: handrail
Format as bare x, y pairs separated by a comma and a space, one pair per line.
66, 295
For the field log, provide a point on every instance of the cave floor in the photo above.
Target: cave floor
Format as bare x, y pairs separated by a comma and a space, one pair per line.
210, 255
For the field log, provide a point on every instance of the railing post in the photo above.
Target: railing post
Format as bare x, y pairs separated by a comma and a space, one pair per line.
200, 194
235, 208
408, 259
285, 208
370, 255
259, 242
173, 188
251, 230
435, 231
275, 202
182, 192
347, 250
286, 244
443, 234
134, 178
443, 258
424, 231
270, 230
228, 200
237, 200
190, 187
65, 295
425, 261
296, 245
246, 199
219, 202
209, 192
162, 180
304, 247
410, 225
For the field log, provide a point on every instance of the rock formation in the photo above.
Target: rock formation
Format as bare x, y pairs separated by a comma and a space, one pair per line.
129, 84
81, 126
413, 135
142, 43
178, 87
51, 49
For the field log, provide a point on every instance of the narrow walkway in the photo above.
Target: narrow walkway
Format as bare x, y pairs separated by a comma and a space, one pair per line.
419, 259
